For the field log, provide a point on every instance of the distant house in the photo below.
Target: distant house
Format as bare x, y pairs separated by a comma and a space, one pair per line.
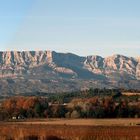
65, 104
19, 117
14, 118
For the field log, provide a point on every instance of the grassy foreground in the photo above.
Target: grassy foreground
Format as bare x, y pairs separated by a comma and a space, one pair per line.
72, 129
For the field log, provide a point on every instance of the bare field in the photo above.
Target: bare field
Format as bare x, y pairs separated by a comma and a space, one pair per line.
130, 94
85, 122
71, 129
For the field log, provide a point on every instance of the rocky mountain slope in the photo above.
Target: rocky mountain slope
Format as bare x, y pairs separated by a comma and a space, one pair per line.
48, 71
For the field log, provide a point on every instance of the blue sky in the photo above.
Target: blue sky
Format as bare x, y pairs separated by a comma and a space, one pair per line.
84, 27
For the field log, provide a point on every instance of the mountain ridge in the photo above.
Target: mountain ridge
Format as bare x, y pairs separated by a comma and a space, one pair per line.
43, 70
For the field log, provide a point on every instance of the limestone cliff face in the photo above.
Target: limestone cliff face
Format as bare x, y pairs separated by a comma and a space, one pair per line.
49, 71
18, 63
94, 64
138, 69
14, 63
114, 64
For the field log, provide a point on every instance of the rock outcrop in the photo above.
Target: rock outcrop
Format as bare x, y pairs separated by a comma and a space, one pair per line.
113, 64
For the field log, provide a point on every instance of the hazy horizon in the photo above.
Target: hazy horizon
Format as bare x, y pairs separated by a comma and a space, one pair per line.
81, 27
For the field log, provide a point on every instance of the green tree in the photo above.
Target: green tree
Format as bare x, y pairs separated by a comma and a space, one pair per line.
38, 109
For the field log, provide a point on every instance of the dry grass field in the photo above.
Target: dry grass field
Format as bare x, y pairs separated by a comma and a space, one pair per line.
72, 129
84, 122
130, 94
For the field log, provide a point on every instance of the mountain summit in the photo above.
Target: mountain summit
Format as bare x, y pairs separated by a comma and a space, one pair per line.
49, 71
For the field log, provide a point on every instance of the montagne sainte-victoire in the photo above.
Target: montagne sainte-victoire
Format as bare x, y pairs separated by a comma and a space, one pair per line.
49, 72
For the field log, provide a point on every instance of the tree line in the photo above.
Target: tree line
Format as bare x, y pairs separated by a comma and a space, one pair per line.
97, 103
